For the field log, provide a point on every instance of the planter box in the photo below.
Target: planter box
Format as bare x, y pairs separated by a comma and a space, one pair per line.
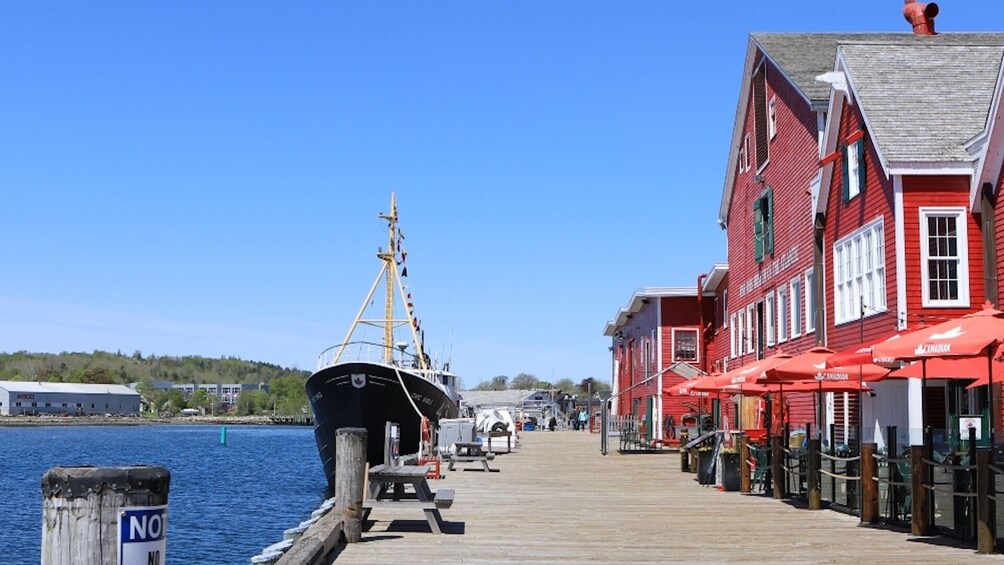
730, 471
705, 467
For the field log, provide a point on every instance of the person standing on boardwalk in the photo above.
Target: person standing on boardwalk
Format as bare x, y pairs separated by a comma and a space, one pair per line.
583, 419
552, 423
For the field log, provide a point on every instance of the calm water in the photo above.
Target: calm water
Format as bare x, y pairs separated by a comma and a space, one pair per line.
226, 503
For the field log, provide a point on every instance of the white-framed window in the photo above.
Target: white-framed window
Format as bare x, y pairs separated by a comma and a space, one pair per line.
782, 313
746, 153
854, 171
750, 331
740, 333
944, 257
733, 329
795, 287
725, 302
685, 345
859, 273
769, 314
772, 117
810, 301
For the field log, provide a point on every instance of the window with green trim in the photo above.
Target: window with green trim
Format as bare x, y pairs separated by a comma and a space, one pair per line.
763, 225
854, 169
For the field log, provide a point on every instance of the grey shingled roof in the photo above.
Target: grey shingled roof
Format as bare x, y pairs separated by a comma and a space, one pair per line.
923, 103
803, 56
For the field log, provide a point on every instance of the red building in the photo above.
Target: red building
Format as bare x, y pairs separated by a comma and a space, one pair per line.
659, 339
901, 208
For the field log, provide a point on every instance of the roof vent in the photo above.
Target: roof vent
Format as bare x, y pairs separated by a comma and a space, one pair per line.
920, 16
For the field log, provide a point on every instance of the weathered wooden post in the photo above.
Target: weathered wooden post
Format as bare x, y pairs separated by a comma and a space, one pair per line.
815, 493
984, 525
90, 513
919, 523
744, 464
775, 467
350, 461
684, 455
869, 484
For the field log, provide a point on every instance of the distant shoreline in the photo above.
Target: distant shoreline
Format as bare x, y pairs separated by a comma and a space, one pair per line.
34, 421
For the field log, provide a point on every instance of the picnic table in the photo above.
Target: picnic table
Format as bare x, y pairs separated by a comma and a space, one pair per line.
470, 451
508, 440
387, 489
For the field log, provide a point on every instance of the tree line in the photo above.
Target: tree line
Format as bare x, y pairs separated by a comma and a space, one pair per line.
285, 393
524, 381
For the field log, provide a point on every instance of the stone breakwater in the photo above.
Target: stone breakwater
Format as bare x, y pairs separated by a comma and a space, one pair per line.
133, 420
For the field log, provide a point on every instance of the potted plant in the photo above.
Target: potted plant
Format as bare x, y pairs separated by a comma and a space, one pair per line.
730, 468
705, 466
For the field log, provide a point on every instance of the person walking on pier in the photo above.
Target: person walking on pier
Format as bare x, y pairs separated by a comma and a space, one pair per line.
583, 419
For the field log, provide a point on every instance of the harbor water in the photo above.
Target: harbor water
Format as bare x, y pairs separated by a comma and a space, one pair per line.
226, 502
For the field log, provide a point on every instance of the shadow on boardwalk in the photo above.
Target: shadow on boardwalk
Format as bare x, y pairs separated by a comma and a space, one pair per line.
558, 500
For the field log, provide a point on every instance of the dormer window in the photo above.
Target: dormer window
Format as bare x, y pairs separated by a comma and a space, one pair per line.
854, 169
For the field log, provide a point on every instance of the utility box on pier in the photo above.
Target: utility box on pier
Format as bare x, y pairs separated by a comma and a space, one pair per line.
452, 430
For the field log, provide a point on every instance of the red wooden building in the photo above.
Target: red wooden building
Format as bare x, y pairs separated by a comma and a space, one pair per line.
659, 339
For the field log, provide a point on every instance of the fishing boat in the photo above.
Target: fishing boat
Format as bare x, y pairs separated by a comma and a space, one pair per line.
365, 384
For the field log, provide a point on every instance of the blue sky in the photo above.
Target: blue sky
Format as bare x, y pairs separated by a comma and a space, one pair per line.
204, 178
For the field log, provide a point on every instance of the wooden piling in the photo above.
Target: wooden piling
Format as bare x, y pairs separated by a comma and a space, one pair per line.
869, 485
780, 477
81, 508
684, 455
745, 484
985, 517
350, 465
919, 523
815, 493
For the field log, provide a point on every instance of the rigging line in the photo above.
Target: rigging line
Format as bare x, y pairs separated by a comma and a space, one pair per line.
407, 392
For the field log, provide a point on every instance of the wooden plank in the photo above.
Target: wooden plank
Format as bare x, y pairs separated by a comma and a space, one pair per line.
559, 500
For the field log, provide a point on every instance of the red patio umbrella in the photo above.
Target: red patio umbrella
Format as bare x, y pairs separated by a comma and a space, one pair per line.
971, 335
812, 366
751, 372
861, 353
819, 386
687, 388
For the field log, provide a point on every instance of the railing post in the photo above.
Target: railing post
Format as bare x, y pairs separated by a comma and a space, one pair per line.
812, 476
985, 517
350, 460
775, 466
744, 464
684, 453
82, 508
869, 483
919, 522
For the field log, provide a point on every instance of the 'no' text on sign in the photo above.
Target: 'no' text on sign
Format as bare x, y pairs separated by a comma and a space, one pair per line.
143, 535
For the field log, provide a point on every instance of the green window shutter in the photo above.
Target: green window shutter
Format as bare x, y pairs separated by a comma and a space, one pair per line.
847, 188
861, 165
768, 222
757, 230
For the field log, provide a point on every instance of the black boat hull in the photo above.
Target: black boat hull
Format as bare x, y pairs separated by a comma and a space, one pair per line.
368, 395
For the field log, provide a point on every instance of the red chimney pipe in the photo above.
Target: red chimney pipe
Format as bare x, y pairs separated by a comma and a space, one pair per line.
920, 16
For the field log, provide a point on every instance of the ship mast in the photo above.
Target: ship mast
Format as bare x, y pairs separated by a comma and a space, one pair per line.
392, 280
389, 259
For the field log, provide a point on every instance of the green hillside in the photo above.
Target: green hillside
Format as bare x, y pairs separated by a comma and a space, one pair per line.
286, 394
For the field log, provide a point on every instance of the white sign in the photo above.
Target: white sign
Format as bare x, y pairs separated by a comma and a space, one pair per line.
967, 422
143, 535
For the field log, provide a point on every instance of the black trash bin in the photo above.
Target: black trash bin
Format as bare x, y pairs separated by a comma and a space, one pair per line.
705, 467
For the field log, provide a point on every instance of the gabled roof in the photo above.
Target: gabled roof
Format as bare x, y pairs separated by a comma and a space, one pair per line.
923, 103
640, 298
800, 57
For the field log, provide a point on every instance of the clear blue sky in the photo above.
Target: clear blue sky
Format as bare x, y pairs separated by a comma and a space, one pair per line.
204, 177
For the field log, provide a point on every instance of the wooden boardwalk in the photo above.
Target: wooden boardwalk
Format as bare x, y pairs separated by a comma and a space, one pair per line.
558, 500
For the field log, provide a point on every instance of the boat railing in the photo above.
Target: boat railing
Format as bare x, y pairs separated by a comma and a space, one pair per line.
366, 352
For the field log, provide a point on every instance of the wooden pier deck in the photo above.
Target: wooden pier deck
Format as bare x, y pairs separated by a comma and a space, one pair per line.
558, 500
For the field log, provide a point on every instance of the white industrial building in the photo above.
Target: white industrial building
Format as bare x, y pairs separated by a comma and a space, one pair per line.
17, 397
